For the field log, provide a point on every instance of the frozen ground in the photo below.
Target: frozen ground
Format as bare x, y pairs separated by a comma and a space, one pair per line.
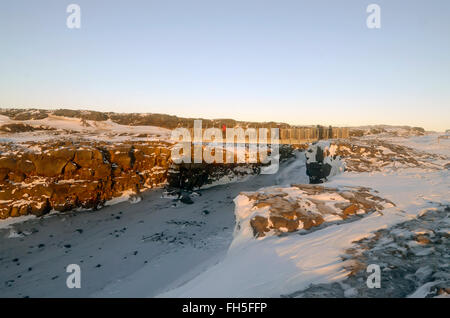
283, 265
78, 128
426, 143
414, 256
157, 247
125, 250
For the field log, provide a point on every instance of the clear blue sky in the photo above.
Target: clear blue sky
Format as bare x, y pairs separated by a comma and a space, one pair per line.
301, 62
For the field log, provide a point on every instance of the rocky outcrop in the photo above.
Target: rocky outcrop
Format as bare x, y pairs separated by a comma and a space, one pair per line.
279, 210
413, 258
327, 158
322, 162
37, 177
63, 175
20, 127
365, 155
190, 176
386, 130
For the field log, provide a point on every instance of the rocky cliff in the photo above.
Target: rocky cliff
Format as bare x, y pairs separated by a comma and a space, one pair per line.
62, 175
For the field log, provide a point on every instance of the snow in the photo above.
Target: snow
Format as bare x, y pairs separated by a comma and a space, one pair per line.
127, 195
183, 252
168, 254
88, 129
337, 165
8, 223
274, 266
277, 266
424, 290
428, 143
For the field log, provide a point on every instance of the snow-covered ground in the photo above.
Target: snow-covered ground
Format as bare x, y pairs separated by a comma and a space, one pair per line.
124, 249
280, 265
159, 247
274, 266
76, 127
428, 143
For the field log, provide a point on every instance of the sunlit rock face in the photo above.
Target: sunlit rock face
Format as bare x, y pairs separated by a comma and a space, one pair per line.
277, 210
62, 175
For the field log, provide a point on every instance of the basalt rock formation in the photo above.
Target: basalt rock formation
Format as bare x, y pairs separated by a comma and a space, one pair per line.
36, 178
365, 155
277, 210
191, 176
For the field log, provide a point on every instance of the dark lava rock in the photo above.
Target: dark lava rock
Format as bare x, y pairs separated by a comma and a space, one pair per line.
317, 172
186, 199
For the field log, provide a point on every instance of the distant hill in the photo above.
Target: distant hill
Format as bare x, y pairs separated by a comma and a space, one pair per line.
131, 119
387, 130
171, 121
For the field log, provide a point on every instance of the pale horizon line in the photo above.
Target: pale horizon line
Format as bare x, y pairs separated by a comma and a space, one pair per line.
368, 125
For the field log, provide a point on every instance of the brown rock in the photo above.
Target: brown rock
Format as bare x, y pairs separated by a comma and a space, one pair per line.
4, 211
121, 156
14, 211
42, 177
39, 207
62, 153
350, 210
102, 171
310, 219
281, 223
6, 193
25, 166
8, 163
48, 166
444, 291
355, 266
260, 225
88, 157
85, 174
69, 169
24, 209
16, 176
422, 239
4, 173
